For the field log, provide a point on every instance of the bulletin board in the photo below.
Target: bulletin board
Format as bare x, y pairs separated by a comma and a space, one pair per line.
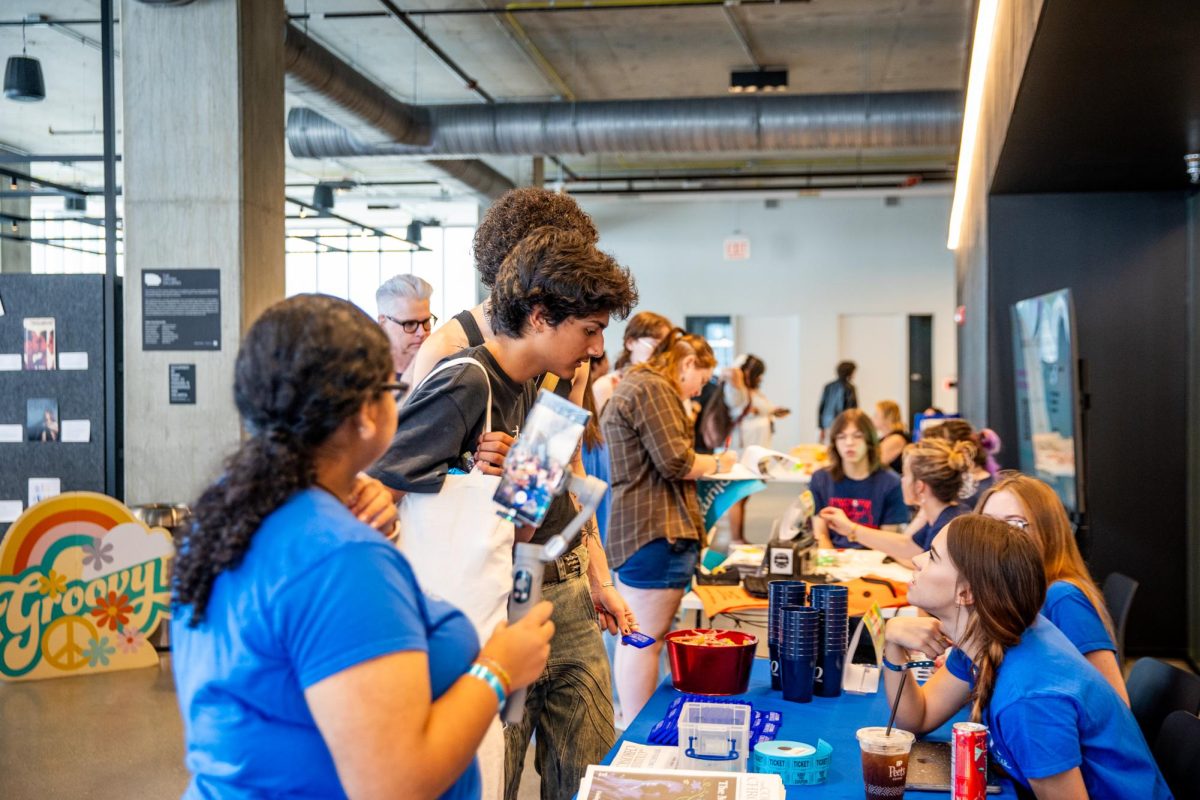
75, 395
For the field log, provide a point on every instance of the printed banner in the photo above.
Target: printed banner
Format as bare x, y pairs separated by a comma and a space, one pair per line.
82, 585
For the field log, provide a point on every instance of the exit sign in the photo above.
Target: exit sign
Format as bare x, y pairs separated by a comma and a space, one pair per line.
737, 248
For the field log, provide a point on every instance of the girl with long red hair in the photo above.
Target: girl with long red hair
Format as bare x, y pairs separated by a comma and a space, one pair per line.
1054, 724
1073, 601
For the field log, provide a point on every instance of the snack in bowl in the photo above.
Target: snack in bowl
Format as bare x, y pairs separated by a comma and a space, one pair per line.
714, 662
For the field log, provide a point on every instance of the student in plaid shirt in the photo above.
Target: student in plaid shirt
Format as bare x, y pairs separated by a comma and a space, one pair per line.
656, 529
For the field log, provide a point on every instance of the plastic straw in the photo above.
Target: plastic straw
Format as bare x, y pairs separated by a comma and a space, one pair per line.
896, 703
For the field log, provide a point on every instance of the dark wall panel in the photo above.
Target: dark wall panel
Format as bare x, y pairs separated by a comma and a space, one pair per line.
76, 304
1124, 257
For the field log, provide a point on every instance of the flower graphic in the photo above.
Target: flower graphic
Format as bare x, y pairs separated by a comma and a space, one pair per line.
96, 554
98, 651
113, 612
52, 584
130, 639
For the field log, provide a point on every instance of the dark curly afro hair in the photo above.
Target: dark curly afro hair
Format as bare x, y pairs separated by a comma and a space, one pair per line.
517, 213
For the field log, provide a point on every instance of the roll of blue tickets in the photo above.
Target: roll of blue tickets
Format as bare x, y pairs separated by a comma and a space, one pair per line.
796, 763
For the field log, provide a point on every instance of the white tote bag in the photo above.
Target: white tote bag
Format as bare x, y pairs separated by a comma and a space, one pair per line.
459, 547
461, 552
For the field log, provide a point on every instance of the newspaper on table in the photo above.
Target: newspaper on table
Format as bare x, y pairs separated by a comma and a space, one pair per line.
646, 756
633, 783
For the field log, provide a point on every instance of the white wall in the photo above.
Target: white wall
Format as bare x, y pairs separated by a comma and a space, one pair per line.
815, 258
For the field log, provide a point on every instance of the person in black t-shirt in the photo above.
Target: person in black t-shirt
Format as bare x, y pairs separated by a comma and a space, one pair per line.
553, 296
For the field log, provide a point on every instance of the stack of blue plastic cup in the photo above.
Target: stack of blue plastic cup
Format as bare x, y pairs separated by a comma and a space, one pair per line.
798, 649
832, 603
780, 594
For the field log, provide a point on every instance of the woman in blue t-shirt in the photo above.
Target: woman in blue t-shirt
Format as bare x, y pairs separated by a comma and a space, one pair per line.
1054, 723
856, 483
307, 660
1073, 601
935, 477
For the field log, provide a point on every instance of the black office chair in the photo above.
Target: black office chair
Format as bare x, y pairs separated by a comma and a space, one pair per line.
1156, 689
1118, 596
1178, 753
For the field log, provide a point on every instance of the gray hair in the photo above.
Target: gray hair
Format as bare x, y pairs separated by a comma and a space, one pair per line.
402, 287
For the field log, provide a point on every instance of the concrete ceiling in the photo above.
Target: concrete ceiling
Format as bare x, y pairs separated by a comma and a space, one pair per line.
827, 45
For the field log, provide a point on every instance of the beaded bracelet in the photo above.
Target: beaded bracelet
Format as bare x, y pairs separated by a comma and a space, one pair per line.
484, 674
497, 670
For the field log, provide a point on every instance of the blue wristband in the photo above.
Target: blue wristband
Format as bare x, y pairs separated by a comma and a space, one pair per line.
909, 665
484, 674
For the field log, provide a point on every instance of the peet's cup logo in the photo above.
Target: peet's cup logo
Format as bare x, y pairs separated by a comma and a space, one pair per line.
82, 585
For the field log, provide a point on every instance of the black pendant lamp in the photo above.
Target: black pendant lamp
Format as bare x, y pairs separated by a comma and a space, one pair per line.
23, 77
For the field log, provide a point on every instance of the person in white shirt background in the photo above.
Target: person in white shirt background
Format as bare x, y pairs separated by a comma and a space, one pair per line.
754, 424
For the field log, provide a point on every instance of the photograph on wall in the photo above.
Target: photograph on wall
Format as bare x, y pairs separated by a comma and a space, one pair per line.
40, 348
43, 488
41, 420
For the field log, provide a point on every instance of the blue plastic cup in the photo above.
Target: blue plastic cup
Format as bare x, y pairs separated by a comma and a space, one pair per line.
827, 680
797, 676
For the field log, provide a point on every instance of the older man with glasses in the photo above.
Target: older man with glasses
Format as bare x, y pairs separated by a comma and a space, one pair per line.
403, 303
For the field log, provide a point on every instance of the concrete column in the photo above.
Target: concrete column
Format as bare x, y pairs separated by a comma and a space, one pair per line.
14, 255
204, 173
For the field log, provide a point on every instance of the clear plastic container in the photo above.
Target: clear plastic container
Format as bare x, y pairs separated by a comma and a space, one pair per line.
714, 736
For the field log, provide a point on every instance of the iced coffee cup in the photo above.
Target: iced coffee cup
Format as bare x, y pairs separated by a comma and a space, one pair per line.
884, 761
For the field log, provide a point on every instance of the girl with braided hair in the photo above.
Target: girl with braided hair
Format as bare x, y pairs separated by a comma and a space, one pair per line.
307, 661
1054, 724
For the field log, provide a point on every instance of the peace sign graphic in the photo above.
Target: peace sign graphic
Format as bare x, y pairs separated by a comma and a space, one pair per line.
63, 642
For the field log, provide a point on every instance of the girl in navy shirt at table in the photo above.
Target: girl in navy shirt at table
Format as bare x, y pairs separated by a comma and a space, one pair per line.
1054, 724
856, 483
1073, 601
936, 475
306, 659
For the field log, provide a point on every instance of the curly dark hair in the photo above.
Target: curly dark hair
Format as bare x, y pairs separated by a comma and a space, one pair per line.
514, 215
306, 365
564, 273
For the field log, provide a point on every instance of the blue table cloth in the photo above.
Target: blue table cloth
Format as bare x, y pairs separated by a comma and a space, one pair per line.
834, 719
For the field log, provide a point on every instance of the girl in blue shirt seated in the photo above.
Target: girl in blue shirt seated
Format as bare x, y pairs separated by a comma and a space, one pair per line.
1073, 601
856, 483
936, 475
307, 661
1054, 723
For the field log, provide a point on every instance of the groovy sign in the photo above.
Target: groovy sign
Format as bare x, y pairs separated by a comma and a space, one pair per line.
82, 584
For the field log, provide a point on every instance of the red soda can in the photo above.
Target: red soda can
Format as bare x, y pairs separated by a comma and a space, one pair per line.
968, 761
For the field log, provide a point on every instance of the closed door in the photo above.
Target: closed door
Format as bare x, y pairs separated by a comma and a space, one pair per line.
774, 339
920, 363
878, 344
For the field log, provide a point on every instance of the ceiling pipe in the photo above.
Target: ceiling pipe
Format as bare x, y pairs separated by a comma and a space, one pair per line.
901, 120
326, 74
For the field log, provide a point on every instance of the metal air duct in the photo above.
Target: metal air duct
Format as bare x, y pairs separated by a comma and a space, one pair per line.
899, 120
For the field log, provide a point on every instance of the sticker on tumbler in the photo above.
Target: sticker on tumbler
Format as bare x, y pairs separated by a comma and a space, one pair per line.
522, 584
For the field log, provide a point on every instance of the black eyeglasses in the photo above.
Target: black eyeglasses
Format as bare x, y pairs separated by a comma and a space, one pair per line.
411, 325
398, 388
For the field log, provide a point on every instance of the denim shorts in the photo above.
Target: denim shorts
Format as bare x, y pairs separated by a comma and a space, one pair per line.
661, 565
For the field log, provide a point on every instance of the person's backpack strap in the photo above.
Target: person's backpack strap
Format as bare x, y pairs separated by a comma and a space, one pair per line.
454, 362
470, 327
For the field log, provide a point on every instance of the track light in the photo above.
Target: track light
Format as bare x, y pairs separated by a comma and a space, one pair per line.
323, 196
23, 77
414, 232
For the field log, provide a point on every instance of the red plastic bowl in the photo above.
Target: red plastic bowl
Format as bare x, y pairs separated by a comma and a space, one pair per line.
703, 669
